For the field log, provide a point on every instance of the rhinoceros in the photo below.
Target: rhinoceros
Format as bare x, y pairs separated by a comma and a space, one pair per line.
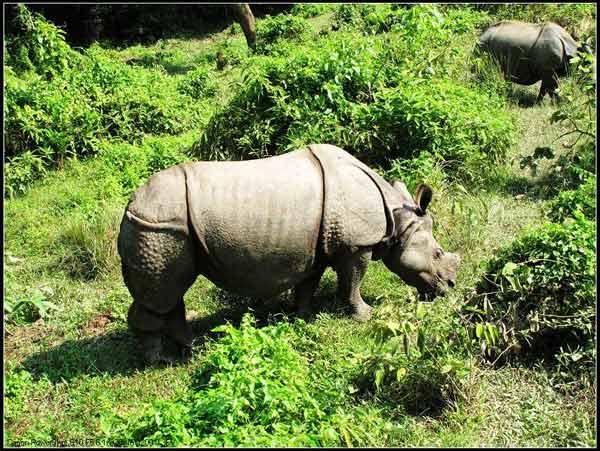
528, 53
260, 227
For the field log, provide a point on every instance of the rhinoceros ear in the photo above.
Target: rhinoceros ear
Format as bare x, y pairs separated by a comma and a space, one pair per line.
423, 196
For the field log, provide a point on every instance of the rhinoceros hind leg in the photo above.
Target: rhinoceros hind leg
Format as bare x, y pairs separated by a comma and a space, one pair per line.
179, 329
304, 292
350, 274
158, 268
147, 327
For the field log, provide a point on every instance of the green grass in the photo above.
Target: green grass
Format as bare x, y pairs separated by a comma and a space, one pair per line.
75, 373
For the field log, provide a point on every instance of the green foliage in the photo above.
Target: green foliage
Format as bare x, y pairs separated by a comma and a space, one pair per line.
424, 168
21, 171
413, 21
49, 121
577, 109
198, 83
131, 165
539, 292
418, 361
582, 199
283, 26
28, 307
39, 45
568, 15
308, 10
251, 389
342, 81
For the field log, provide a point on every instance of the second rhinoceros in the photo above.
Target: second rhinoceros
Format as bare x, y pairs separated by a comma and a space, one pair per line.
528, 53
260, 227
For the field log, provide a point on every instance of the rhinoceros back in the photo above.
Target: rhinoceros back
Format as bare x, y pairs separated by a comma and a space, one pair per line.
257, 221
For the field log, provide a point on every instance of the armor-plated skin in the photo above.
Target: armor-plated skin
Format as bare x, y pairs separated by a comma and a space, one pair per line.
260, 227
528, 53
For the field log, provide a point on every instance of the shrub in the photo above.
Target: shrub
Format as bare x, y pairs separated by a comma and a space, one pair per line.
251, 389
416, 22
308, 10
577, 109
417, 362
38, 45
445, 118
283, 26
131, 164
582, 199
342, 81
568, 15
198, 83
539, 292
97, 98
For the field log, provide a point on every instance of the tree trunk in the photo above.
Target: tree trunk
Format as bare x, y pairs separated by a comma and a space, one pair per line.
244, 16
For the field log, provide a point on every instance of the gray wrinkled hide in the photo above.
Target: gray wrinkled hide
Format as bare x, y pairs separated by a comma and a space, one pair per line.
255, 224
528, 53
260, 227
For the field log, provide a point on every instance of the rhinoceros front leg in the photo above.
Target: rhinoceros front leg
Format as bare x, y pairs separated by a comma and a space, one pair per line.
549, 85
304, 292
350, 275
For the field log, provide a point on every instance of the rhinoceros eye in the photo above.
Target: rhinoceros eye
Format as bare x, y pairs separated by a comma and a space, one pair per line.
438, 253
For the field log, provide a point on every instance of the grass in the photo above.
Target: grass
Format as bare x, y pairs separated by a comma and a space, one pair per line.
70, 371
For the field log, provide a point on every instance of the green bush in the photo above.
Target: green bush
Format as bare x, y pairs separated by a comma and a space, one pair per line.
418, 362
132, 164
413, 21
582, 199
252, 388
539, 292
198, 83
38, 45
283, 26
568, 15
97, 98
341, 80
308, 10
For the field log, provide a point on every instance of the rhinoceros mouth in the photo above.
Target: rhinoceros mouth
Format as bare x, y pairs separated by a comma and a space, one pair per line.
431, 291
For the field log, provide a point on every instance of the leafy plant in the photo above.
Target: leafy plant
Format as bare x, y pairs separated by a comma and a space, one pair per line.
345, 82
28, 308
308, 10
415, 362
198, 83
582, 199
539, 292
252, 388
283, 26
38, 46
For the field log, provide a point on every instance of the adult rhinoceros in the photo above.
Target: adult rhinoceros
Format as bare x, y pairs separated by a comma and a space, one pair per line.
528, 53
260, 227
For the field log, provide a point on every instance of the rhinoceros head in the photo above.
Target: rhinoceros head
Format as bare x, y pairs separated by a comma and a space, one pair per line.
415, 255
